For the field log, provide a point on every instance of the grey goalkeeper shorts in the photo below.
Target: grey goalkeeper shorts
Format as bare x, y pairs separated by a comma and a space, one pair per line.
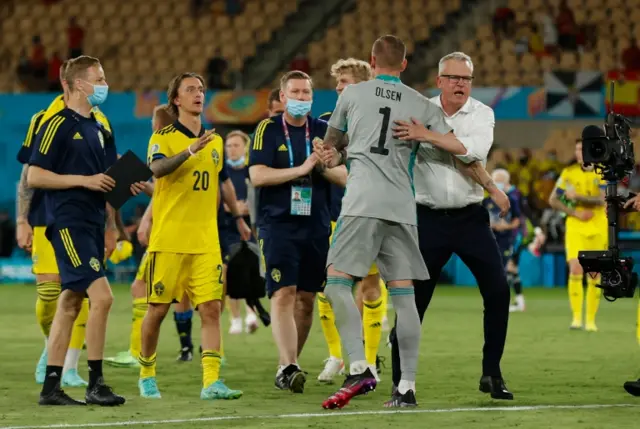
360, 241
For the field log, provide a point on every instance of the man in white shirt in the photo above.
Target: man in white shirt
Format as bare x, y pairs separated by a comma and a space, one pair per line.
451, 218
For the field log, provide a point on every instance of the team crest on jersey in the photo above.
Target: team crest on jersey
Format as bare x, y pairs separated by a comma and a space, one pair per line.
101, 138
158, 288
95, 264
276, 275
215, 156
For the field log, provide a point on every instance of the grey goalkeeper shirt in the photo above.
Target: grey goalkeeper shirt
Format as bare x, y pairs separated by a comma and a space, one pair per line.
380, 180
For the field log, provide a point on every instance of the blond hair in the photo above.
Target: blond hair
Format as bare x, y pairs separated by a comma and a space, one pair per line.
360, 70
294, 74
174, 86
162, 116
77, 68
237, 133
389, 51
63, 69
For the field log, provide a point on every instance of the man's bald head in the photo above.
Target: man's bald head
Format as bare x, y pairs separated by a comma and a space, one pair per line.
389, 52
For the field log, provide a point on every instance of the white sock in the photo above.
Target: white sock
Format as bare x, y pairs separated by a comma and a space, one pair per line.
251, 318
520, 300
358, 367
71, 360
405, 385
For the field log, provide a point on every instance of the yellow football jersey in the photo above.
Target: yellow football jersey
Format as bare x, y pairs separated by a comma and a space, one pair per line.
58, 104
587, 183
185, 202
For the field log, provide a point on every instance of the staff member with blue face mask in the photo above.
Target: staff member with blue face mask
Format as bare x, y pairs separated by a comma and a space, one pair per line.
293, 220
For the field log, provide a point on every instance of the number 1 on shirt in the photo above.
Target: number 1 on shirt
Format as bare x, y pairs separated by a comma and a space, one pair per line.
380, 149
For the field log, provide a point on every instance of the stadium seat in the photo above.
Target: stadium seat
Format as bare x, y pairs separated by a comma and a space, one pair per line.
353, 35
134, 27
616, 20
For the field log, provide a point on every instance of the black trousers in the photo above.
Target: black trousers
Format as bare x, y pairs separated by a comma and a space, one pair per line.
465, 232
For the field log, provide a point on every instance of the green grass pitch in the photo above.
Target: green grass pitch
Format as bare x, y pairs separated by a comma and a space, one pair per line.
544, 364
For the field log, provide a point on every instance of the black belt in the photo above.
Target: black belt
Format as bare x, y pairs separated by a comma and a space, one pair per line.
450, 211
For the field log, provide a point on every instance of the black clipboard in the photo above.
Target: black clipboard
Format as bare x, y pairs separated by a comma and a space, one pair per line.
127, 170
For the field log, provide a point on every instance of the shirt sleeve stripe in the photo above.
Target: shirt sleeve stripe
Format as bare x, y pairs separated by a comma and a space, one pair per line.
52, 128
257, 142
157, 156
35, 121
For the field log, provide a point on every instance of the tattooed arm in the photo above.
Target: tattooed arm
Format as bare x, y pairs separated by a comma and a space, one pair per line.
25, 193
24, 233
163, 166
335, 144
597, 200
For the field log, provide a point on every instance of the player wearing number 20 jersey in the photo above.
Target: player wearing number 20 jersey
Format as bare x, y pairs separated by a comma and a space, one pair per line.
185, 219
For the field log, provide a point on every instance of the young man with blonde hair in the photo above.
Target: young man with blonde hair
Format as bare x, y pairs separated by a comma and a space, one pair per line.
30, 234
71, 144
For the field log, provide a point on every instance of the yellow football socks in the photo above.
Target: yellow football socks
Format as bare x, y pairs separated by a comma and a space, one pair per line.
576, 298
593, 302
140, 307
328, 323
80, 326
210, 367
48, 293
147, 366
372, 316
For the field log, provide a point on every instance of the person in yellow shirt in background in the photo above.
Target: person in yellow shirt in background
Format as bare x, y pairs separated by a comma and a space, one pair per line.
579, 193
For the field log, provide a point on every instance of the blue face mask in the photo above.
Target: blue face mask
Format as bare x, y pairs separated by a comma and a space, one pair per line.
500, 186
99, 96
297, 108
237, 163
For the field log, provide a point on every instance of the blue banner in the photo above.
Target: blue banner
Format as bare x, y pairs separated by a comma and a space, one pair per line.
130, 115
16, 270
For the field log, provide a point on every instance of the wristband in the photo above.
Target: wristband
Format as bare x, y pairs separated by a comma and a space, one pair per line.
189, 150
238, 217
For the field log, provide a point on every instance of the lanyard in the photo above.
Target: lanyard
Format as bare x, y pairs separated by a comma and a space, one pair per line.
288, 140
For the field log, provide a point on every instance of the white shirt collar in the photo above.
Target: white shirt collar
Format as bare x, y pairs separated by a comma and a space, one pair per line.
466, 107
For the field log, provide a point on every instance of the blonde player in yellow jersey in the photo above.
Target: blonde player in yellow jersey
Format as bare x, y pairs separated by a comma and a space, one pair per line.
371, 294
579, 193
184, 250
30, 234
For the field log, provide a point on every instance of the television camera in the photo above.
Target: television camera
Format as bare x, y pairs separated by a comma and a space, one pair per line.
610, 151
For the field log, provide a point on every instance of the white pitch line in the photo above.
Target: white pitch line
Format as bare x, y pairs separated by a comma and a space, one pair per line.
328, 414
